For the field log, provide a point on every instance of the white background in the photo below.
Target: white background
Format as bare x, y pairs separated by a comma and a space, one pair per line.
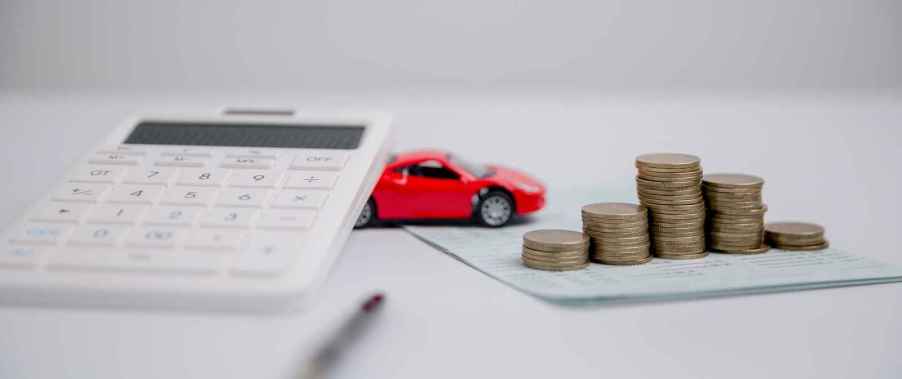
804, 93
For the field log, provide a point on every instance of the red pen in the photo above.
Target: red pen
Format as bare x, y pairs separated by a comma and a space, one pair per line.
330, 353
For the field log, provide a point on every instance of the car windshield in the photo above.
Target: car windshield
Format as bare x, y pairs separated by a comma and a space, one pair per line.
477, 170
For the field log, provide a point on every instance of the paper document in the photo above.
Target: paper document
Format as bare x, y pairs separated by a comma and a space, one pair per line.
496, 252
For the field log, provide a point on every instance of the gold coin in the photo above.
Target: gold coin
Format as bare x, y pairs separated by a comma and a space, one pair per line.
555, 240
668, 160
637, 261
739, 212
762, 249
562, 254
793, 229
728, 236
820, 246
730, 191
645, 183
693, 191
539, 266
733, 181
553, 261
615, 224
695, 255
619, 211
622, 249
674, 201
670, 178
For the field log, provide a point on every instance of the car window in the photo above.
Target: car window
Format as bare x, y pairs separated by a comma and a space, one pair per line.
431, 169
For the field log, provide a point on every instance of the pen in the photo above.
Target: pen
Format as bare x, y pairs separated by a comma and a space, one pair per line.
331, 351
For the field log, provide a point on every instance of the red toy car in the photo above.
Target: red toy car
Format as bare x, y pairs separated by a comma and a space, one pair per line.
432, 184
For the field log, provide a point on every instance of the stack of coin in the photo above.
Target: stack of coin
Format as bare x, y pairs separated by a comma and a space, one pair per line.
555, 250
795, 236
618, 233
669, 185
735, 213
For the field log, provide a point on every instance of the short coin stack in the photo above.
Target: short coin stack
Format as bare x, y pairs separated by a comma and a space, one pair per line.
555, 250
618, 233
795, 236
735, 213
669, 185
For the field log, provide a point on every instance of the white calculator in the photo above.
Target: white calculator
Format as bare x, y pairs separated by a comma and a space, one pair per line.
241, 210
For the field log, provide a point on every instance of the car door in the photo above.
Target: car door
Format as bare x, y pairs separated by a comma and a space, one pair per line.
433, 190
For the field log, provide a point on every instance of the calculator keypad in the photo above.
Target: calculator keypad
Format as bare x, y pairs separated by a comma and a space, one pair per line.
236, 211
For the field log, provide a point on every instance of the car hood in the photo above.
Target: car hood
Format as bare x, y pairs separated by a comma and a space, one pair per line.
511, 177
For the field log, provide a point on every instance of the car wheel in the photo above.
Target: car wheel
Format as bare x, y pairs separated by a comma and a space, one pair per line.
367, 216
495, 209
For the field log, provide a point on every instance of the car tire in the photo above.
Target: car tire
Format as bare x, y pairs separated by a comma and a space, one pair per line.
495, 209
367, 215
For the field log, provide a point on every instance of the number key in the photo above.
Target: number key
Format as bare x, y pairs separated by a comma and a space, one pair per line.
153, 237
241, 198
201, 177
135, 194
189, 196
154, 176
115, 214
182, 216
228, 218
248, 178
99, 235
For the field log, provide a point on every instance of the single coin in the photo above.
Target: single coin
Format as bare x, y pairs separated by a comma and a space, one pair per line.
674, 201
539, 266
619, 211
633, 262
668, 160
669, 170
821, 246
695, 255
693, 191
644, 183
793, 229
562, 254
553, 261
555, 240
762, 249
732, 181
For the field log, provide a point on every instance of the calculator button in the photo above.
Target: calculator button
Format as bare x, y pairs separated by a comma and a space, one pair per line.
189, 196
180, 161
83, 192
227, 218
205, 239
61, 212
159, 238
299, 199
283, 219
263, 257
155, 176
320, 160
201, 177
252, 153
38, 234
95, 174
151, 261
19, 257
115, 214
114, 159
97, 235
130, 193
241, 198
171, 216
250, 178
311, 180
124, 149
188, 152
248, 162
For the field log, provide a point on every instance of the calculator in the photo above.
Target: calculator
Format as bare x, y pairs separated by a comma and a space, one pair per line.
238, 210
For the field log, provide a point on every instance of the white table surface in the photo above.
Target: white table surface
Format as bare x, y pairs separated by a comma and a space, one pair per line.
834, 159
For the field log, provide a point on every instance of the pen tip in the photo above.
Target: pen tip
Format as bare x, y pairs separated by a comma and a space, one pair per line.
373, 302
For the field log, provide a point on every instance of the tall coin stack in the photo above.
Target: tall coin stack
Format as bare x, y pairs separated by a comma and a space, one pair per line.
618, 233
735, 213
669, 185
555, 250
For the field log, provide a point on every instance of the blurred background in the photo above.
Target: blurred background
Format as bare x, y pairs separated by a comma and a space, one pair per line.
402, 45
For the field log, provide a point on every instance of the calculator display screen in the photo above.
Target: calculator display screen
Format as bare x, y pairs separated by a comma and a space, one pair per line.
310, 136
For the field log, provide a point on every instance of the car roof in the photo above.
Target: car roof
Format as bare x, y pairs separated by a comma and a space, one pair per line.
420, 155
